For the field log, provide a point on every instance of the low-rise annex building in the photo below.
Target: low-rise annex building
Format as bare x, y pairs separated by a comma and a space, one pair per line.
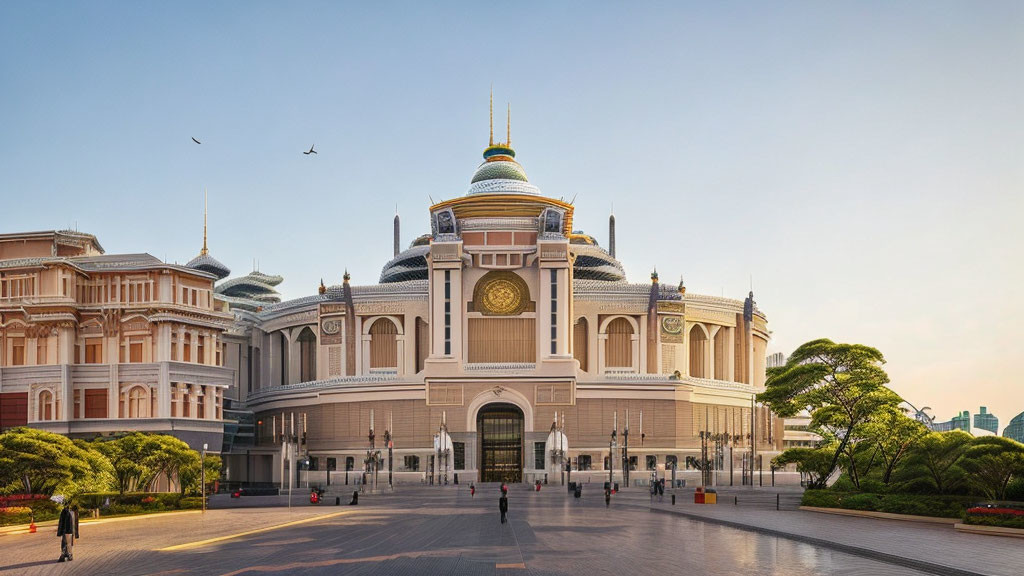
484, 336
94, 343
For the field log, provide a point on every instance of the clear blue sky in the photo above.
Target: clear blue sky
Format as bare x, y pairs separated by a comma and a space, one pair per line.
864, 162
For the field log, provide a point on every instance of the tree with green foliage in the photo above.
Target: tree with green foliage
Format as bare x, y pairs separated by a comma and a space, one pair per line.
933, 464
166, 456
39, 462
814, 463
892, 435
127, 454
842, 385
991, 462
191, 475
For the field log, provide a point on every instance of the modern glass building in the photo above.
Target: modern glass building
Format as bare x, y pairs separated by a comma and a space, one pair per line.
986, 421
1015, 430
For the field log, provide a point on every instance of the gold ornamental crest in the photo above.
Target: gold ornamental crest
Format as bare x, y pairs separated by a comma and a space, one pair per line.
501, 293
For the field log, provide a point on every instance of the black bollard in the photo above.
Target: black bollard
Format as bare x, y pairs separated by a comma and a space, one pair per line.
337, 500
673, 499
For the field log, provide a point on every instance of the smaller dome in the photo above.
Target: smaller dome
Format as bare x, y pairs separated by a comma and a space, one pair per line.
207, 263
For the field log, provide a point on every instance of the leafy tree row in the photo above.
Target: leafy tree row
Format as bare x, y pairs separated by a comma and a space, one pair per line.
38, 462
868, 437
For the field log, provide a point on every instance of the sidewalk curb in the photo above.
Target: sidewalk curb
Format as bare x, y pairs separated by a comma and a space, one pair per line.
989, 530
882, 515
920, 565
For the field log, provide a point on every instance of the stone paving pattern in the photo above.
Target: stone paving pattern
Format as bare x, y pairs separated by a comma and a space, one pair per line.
433, 530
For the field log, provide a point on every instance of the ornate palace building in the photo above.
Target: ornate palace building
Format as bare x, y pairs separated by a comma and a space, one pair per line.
92, 343
499, 346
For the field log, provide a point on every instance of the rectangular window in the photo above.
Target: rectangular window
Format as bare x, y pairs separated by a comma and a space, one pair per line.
412, 463
584, 462
554, 311
459, 452
94, 351
135, 352
671, 462
332, 464
96, 403
41, 351
447, 312
650, 462
78, 404
18, 352
538, 455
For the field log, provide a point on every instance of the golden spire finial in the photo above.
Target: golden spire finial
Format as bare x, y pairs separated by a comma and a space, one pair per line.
205, 206
491, 141
508, 127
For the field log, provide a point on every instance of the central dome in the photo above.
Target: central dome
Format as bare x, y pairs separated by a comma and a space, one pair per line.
501, 174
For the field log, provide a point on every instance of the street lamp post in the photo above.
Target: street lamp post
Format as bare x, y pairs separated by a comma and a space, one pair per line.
625, 452
611, 450
390, 443
202, 474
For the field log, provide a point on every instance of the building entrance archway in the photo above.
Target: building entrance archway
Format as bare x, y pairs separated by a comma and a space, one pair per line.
499, 428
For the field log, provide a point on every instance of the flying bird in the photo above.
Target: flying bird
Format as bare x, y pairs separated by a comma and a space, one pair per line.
311, 151
196, 141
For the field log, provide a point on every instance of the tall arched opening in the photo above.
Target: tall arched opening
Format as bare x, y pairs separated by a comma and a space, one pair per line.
500, 430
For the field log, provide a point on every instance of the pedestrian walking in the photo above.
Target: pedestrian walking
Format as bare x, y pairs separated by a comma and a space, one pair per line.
67, 531
503, 506
472, 490
607, 497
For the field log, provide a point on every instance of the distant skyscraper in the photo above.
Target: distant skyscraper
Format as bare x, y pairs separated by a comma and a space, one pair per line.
1015, 430
960, 422
986, 421
775, 360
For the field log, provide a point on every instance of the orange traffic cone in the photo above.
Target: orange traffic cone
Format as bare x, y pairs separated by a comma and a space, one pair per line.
32, 527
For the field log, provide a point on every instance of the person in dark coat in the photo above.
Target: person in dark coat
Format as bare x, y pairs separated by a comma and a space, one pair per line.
503, 506
67, 531
607, 497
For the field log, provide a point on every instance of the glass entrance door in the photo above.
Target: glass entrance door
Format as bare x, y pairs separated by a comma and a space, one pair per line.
500, 429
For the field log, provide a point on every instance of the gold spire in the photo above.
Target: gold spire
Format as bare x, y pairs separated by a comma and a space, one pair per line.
491, 141
206, 202
508, 127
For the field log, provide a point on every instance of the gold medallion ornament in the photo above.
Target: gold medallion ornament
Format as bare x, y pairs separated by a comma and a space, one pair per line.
500, 293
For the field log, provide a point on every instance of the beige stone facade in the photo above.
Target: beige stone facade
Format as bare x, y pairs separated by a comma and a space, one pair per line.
92, 343
479, 337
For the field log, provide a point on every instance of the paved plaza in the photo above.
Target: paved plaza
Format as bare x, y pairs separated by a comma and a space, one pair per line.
425, 530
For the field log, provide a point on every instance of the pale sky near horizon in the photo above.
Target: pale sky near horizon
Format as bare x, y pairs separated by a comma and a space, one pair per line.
862, 162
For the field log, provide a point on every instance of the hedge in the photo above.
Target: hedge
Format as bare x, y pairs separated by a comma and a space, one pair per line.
913, 504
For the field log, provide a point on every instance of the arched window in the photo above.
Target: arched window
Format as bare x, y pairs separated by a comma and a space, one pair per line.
698, 348
307, 355
45, 405
383, 344
619, 348
137, 403
579, 343
721, 354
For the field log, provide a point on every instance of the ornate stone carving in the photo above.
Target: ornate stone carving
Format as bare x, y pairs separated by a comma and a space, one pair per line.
672, 329
501, 293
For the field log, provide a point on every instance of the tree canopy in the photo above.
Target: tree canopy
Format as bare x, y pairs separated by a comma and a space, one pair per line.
841, 385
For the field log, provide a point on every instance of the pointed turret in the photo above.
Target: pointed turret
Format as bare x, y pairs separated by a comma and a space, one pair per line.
398, 232
204, 261
611, 234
